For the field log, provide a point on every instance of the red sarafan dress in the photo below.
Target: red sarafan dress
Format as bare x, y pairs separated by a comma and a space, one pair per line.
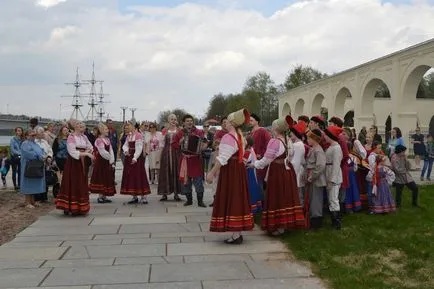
134, 177
231, 211
73, 196
282, 208
103, 179
261, 138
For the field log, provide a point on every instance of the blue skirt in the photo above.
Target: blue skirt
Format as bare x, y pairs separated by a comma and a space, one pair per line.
352, 194
255, 196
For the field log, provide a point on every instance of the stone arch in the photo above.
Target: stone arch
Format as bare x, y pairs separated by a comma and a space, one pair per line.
412, 81
299, 107
431, 126
368, 94
317, 103
388, 128
286, 109
340, 99
349, 119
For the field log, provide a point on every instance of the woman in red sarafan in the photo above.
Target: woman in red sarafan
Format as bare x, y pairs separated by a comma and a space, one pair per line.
73, 197
231, 210
134, 177
282, 209
102, 181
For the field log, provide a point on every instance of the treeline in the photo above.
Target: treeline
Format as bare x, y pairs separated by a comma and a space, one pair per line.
259, 95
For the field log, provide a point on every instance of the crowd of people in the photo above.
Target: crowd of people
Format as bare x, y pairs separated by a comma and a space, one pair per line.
294, 173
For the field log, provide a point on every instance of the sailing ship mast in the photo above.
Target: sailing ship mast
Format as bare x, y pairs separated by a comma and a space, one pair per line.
76, 97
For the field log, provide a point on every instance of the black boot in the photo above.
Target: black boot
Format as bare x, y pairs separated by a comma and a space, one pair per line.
315, 223
200, 202
341, 210
414, 197
337, 224
189, 202
189, 197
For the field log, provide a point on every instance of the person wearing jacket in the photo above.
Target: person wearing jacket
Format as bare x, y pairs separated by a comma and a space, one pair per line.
401, 167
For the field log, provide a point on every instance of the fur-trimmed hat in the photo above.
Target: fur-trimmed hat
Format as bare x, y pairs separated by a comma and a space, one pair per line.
289, 120
337, 121
318, 119
333, 132
400, 149
239, 117
280, 125
304, 118
299, 129
315, 134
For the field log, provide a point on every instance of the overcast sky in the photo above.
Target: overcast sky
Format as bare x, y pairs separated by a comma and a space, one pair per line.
158, 55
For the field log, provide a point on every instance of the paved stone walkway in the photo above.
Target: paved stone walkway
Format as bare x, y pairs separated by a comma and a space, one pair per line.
155, 246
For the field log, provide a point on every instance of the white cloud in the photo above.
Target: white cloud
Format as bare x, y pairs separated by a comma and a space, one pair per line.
155, 58
49, 3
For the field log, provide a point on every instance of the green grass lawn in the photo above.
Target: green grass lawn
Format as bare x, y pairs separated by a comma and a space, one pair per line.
374, 251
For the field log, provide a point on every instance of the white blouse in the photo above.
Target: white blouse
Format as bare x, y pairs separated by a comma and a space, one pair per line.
298, 161
100, 144
75, 142
138, 139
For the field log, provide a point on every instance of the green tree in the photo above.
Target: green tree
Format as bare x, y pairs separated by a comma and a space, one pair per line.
217, 106
301, 75
163, 115
382, 91
266, 91
426, 87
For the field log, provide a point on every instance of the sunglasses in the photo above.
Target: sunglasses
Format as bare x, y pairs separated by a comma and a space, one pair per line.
206, 126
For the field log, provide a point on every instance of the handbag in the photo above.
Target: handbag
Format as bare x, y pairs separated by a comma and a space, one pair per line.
34, 169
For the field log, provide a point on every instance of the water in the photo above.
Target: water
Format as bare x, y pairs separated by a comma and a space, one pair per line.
5, 140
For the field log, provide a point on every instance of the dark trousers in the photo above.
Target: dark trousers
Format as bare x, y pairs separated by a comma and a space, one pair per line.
187, 188
16, 170
412, 187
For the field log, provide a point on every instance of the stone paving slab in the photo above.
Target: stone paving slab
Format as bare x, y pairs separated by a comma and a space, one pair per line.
166, 240
278, 269
122, 236
63, 287
140, 261
147, 250
213, 248
22, 277
159, 228
198, 239
79, 263
98, 275
52, 238
63, 221
293, 283
36, 253
76, 252
92, 242
217, 258
69, 230
139, 220
199, 271
174, 285
20, 264
14, 244
200, 233
198, 219
270, 256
